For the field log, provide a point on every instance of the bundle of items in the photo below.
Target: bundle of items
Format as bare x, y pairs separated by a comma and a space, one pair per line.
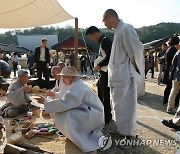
36, 89
23, 126
40, 129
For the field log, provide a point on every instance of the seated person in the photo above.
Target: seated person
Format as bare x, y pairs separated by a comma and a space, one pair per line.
17, 99
79, 115
60, 88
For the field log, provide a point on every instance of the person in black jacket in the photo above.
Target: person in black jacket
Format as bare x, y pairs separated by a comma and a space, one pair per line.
104, 51
42, 60
169, 55
83, 63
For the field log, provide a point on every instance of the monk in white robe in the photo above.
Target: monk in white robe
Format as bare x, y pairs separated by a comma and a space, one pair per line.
60, 88
79, 115
124, 68
17, 98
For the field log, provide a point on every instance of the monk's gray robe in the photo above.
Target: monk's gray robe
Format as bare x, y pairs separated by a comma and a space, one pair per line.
79, 115
123, 70
16, 101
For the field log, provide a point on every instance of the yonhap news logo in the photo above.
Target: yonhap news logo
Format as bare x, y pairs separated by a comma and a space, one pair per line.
105, 142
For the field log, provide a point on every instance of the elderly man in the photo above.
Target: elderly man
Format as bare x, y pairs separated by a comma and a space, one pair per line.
79, 115
60, 88
124, 65
17, 99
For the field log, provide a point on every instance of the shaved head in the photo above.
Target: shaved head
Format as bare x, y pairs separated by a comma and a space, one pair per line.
110, 18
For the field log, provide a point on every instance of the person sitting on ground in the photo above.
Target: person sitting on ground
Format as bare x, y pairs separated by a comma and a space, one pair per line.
60, 88
17, 98
79, 115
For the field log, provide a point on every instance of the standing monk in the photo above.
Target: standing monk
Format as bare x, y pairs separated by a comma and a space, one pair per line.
42, 60
104, 54
123, 69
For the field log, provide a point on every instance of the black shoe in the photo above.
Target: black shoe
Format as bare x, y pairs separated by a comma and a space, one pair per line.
170, 124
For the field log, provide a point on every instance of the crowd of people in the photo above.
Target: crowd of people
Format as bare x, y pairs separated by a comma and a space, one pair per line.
79, 113
169, 74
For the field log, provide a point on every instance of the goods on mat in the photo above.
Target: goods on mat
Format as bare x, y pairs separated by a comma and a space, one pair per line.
23, 127
40, 129
45, 114
15, 121
1, 124
36, 89
14, 137
30, 88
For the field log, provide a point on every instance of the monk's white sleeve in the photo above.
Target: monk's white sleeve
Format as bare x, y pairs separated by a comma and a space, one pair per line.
131, 42
71, 99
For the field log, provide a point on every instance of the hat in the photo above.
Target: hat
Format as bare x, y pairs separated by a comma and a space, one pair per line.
22, 72
69, 71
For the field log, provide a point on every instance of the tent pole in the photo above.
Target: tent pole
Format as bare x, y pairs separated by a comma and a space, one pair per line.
76, 44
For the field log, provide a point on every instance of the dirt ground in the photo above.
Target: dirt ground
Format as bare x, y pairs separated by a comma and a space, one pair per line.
150, 113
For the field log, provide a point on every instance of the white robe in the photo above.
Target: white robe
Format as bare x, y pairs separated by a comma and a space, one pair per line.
79, 115
59, 89
124, 65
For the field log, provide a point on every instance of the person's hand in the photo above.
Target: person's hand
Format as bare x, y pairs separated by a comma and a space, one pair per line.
40, 100
26, 89
97, 68
50, 93
47, 65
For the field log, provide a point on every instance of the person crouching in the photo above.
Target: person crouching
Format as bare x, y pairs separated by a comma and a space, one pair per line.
79, 115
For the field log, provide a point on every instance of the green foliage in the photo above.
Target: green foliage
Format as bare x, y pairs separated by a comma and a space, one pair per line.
154, 32
146, 34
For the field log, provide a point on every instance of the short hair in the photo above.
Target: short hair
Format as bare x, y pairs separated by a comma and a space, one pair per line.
111, 12
174, 41
92, 30
61, 64
43, 40
56, 68
22, 72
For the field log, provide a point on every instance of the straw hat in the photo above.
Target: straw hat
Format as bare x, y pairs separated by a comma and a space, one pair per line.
69, 71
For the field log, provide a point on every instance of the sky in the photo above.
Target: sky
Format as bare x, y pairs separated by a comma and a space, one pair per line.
136, 12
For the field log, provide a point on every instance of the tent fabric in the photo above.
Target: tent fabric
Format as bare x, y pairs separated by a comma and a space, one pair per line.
31, 13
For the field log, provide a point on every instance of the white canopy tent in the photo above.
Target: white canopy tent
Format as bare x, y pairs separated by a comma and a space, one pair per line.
31, 13
34, 13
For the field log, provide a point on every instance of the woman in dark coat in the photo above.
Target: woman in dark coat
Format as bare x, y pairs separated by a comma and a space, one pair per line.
169, 55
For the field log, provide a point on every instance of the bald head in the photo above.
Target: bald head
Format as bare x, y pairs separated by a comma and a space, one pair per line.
55, 71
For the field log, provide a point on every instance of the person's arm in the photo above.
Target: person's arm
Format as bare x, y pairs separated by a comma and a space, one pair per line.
36, 55
28, 60
106, 46
71, 99
132, 44
48, 56
175, 60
